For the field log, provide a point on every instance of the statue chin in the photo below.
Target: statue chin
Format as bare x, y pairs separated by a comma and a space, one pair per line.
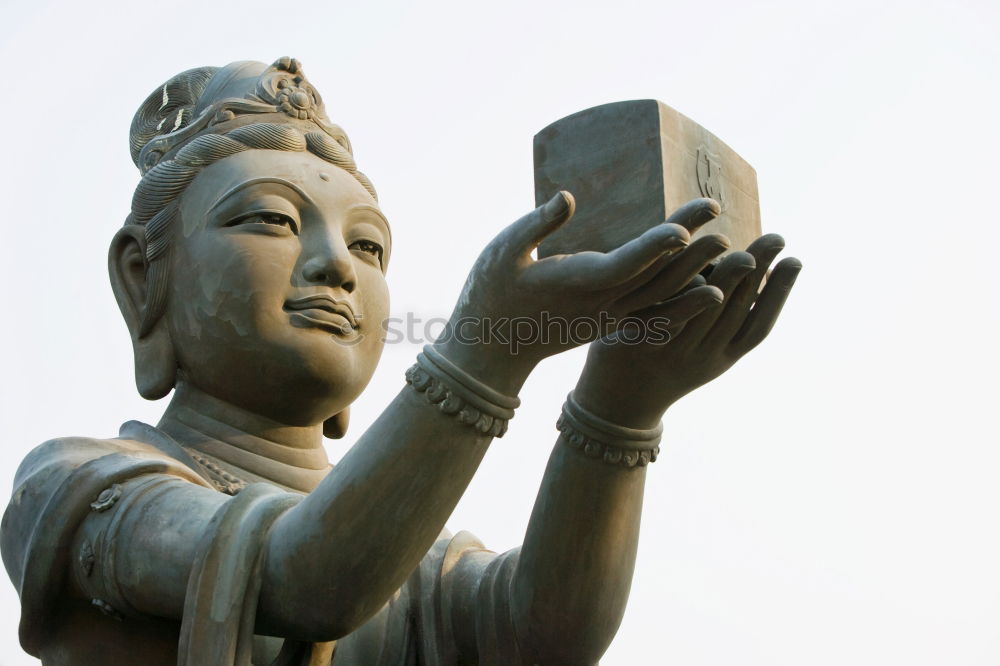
293, 393
288, 374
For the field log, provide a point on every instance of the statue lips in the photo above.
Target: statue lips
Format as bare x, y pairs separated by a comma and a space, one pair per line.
323, 311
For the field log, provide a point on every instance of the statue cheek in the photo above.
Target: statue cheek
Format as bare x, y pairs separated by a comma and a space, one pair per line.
376, 311
242, 268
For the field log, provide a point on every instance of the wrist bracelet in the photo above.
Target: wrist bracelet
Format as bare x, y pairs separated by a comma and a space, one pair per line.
456, 392
611, 443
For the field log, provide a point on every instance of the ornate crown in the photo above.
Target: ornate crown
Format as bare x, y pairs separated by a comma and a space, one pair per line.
217, 100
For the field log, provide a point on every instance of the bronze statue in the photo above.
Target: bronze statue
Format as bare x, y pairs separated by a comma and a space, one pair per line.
250, 274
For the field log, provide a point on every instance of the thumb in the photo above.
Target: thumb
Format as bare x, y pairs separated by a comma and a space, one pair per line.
529, 231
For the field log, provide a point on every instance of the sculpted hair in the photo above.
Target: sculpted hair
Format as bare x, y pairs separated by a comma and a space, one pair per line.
155, 203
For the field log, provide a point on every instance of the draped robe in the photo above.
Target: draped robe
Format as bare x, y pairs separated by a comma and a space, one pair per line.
69, 516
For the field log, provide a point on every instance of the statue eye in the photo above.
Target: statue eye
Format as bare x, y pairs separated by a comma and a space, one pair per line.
370, 247
273, 219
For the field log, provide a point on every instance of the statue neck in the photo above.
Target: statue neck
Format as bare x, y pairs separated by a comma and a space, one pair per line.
252, 447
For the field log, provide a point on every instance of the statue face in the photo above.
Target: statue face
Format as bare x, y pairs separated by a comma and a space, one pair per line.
277, 291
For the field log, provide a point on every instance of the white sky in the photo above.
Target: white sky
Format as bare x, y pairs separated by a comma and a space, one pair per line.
832, 500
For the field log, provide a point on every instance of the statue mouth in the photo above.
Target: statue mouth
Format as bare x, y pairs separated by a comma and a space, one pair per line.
325, 312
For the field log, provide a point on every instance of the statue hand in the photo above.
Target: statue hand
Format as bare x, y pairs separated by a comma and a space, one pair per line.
509, 297
711, 327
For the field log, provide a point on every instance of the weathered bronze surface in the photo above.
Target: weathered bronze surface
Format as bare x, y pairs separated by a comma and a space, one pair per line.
250, 274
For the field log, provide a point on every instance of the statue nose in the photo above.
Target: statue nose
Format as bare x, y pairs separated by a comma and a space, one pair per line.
332, 266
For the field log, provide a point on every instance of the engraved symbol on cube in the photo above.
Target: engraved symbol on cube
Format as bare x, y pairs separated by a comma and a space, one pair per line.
709, 168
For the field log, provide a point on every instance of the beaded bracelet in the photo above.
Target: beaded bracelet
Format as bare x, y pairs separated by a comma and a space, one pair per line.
607, 441
455, 392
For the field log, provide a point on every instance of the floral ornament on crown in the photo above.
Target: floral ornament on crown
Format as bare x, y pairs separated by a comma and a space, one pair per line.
285, 86
296, 102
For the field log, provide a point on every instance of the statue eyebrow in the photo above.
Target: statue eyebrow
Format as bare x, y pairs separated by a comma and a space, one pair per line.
370, 209
256, 181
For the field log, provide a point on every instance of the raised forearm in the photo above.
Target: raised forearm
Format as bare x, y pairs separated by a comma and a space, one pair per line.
575, 569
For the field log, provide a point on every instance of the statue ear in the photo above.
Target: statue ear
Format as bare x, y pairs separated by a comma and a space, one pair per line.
155, 363
335, 427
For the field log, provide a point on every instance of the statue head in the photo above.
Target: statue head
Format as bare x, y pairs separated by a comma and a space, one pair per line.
252, 263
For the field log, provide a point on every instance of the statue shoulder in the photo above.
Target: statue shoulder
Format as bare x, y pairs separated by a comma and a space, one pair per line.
70, 452
53, 461
57, 485
64, 467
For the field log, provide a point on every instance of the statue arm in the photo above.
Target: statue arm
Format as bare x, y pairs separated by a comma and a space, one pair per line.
333, 560
560, 597
572, 579
565, 589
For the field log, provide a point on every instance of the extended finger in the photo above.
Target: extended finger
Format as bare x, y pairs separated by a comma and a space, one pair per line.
731, 318
691, 216
727, 275
682, 308
696, 281
659, 323
525, 235
765, 311
600, 270
695, 213
626, 262
682, 269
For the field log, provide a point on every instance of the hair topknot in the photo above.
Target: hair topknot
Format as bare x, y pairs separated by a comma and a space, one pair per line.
168, 108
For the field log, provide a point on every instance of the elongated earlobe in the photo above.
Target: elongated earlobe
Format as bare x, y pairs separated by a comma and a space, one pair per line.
335, 427
155, 362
